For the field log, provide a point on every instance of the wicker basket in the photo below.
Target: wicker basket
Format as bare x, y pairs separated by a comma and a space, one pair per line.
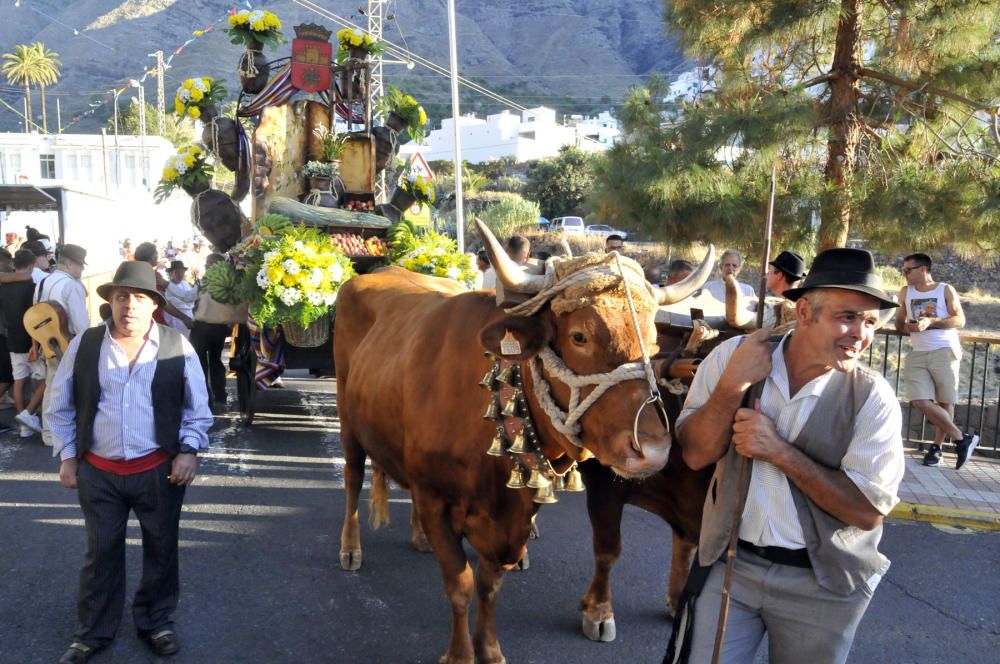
315, 334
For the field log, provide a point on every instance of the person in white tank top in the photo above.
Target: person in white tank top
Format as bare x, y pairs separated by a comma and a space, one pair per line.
932, 315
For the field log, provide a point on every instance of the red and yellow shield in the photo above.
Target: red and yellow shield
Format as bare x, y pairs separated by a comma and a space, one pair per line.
311, 64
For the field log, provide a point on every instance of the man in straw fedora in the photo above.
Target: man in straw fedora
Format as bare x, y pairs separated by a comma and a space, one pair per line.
824, 444
122, 455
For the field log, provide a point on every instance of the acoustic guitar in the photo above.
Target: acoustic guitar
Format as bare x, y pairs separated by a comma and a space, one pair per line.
47, 324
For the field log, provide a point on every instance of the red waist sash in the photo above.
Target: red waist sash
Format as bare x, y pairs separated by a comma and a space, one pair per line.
130, 466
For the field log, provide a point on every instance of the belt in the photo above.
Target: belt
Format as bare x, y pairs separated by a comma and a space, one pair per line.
779, 555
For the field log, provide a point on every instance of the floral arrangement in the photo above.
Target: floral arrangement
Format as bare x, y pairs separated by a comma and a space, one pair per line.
319, 169
419, 187
405, 106
187, 168
333, 143
261, 26
295, 276
349, 38
197, 93
431, 253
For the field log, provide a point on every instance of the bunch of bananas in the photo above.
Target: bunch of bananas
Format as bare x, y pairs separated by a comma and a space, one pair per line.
273, 224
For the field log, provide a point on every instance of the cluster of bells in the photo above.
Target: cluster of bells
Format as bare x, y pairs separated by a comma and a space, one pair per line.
541, 476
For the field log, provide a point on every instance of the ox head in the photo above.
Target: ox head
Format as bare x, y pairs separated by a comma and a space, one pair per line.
577, 339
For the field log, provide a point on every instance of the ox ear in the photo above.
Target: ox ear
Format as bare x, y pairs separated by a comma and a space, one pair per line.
515, 337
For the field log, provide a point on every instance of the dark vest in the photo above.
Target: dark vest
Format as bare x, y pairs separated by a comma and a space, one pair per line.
843, 557
167, 388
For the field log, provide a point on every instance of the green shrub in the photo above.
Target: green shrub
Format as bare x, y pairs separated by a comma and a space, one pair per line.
506, 184
508, 213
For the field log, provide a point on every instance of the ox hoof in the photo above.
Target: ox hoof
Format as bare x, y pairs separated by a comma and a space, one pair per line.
351, 560
524, 563
422, 544
603, 630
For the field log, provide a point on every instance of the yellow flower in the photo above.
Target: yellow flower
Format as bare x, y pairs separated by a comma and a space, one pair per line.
189, 161
194, 112
258, 26
195, 150
410, 100
169, 174
196, 94
422, 117
178, 107
232, 21
357, 40
289, 280
188, 84
275, 274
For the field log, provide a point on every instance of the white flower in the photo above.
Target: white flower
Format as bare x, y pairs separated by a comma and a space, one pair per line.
453, 273
299, 245
262, 279
198, 83
184, 94
269, 256
359, 33
308, 251
336, 273
243, 12
290, 266
329, 299
316, 277
291, 296
256, 15
315, 298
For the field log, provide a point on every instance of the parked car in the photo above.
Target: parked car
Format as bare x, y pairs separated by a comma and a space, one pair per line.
568, 225
604, 230
543, 223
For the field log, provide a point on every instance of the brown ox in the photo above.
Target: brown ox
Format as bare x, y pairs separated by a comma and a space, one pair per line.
409, 354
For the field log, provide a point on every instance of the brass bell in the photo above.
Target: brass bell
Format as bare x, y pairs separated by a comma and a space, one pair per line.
492, 411
506, 375
558, 483
537, 480
545, 495
511, 410
496, 449
574, 482
488, 380
518, 447
516, 480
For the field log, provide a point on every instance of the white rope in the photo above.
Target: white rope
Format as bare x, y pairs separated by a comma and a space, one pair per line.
532, 306
246, 66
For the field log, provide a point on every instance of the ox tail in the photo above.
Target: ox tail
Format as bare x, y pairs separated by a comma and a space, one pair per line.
378, 501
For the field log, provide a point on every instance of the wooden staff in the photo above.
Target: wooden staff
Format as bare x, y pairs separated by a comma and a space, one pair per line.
743, 465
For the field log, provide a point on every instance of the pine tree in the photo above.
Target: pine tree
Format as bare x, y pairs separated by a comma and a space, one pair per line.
881, 115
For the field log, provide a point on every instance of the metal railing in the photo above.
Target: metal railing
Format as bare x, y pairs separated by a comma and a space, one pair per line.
978, 409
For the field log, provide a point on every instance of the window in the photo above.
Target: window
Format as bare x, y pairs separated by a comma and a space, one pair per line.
48, 166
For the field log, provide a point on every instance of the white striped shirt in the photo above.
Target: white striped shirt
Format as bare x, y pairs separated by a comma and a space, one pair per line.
124, 426
874, 460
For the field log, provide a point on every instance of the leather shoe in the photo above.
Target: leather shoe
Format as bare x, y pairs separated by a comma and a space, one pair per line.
77, 653
164, 642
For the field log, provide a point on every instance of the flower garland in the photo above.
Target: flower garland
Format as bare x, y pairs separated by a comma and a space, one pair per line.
259, 25
295, 276
349, 38
186, 168
419, 187
437, 255
197, 93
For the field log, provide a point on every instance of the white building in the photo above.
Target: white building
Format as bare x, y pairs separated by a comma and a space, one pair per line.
534, 134
101, 188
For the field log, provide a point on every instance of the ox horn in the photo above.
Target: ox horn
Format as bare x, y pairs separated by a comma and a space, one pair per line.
682, 289
508, 272
737, 314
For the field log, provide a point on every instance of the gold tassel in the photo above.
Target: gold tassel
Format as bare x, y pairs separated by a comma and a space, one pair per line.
545, 495
516, 480
492, 411
537, 480
496, 449
518, 447
574, 482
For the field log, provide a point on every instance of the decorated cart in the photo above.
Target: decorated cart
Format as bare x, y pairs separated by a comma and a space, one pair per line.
305, 150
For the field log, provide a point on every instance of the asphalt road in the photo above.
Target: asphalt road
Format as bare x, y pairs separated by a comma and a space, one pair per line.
261, 581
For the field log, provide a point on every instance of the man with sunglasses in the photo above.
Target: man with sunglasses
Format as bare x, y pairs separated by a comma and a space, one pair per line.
932, 315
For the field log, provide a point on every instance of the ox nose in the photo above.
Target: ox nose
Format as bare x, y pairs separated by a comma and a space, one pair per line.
643, 457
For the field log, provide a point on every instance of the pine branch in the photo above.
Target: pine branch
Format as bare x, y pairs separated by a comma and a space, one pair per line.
864, 72
817, 80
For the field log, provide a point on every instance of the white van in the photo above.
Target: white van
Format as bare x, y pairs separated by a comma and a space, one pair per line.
568, 225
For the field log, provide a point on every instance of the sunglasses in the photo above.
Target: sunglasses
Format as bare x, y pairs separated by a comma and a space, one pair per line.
907, 270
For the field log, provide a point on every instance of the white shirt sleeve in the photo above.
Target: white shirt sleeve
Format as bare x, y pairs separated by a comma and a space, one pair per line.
707, 377
874, 460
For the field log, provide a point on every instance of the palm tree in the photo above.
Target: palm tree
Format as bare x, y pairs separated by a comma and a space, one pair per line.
48, 73
32, 65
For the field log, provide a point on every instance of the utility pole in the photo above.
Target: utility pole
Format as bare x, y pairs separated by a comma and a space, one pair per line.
27, 120
118, 154
59, 115
160, 70
456, 118
142, 132
375, 17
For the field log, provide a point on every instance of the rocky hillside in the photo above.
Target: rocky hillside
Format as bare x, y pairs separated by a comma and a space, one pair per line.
575, 55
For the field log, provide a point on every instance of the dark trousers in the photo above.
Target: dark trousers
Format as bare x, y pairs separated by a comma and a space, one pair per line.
106, 499
208, 340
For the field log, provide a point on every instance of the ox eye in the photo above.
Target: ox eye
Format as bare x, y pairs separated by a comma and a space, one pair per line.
579, 338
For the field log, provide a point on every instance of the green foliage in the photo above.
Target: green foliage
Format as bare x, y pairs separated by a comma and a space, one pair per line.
333, 143
560, 185
507, 184
405, 106
920, 155
508, 213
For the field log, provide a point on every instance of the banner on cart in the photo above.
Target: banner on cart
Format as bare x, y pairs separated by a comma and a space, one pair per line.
311, 64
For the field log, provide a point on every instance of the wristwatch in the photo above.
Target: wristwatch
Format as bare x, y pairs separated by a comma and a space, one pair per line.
187, 449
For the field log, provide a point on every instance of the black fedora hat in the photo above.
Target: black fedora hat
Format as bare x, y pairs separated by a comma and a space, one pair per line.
176, 265
791, 264
74, 252
848, 269
133, 274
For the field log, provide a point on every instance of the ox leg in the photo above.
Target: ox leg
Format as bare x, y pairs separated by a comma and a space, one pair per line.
489, 578
354, 477
418, 537
598, 619
446, 544
681, 557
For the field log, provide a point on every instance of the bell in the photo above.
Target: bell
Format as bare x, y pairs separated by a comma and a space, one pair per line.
537, 480
506, 375
496, 448
487, 380
559, 483
574, 482
510, 410
545, 495
492, 411
518, 447
516, 480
